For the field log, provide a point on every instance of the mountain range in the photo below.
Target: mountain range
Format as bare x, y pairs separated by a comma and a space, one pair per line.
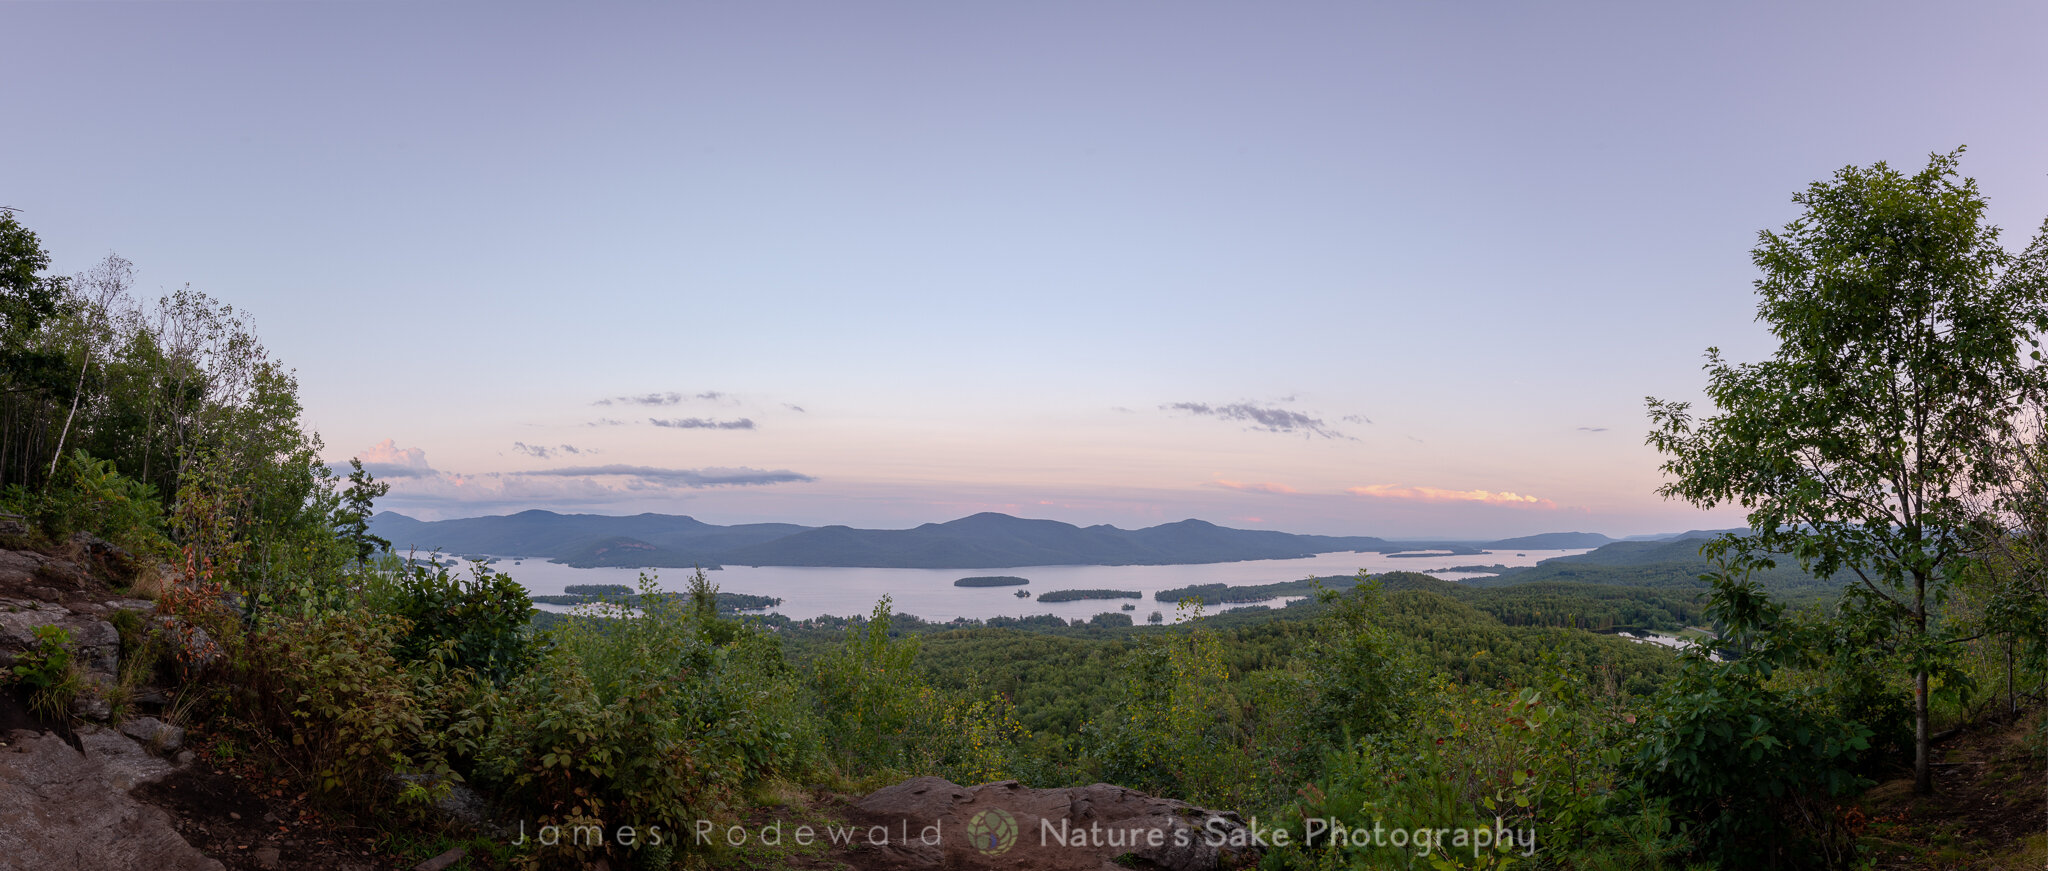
987, 540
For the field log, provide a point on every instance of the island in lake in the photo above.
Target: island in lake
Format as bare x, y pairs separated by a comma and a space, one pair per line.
991, 581
1078, 595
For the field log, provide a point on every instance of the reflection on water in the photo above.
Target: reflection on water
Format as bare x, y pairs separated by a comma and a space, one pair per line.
929, 593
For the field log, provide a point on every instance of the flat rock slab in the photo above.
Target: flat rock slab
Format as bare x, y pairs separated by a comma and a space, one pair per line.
59, 810
930, 822
124, 762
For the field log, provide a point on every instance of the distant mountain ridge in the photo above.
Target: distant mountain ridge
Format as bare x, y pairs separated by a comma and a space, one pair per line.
1552, 541
1674, 561
979, 541
987, 540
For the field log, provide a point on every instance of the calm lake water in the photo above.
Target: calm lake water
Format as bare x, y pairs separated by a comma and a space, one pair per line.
929, 593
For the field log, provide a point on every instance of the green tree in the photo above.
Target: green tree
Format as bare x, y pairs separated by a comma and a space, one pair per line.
1862, 444
27, 298
32, 374
1360, 680
352, 519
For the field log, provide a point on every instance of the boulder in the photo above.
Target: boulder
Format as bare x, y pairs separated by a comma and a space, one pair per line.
156, 734
58, 810
18, 567
111, 559
63, 574
194, 650
91, 703
931, 822
95, 643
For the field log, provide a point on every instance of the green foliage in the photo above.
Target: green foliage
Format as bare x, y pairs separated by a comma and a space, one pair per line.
1535, 762
1754, 767
48, 672
178, 399
32, 372
484, 616
648, 713
599, 590
352, 516
91, 495
882, 716
1174, 726
1358, 681
1869, 441
867, 692
349, 711
26, 297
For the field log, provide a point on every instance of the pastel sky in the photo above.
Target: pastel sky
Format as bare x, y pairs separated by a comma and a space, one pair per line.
1402, 269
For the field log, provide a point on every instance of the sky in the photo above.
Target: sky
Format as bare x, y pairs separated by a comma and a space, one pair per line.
1398, 269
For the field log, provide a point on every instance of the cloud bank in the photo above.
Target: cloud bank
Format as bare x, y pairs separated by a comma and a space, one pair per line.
701, 423
1435, 494
1258, 487
1267, 418
694, 478
670, 398
386, 459
417, 486
545, 452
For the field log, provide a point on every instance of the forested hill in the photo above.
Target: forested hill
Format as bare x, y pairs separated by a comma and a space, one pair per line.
1552, 541
1659, 564
654, 540
986, 540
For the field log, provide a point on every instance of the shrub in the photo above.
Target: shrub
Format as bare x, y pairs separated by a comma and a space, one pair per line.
47, 670
352, 713
1754, 767
90, 495
1174, 724
1358, 680
1540, 762
485, 616
651, 715
867, 693
882, 717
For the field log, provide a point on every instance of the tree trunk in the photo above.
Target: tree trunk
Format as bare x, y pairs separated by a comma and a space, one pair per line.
1923, 769
59, 453
2012, 702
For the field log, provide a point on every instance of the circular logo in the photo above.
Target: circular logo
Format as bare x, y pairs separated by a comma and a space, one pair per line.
993, 831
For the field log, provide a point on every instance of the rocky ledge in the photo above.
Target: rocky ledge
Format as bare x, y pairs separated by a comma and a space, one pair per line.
66, 783
931, 822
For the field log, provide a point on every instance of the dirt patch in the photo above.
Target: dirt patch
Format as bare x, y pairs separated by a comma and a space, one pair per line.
15, 713
248, 819
1991, 796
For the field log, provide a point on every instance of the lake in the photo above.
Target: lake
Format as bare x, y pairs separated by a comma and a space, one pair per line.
929, 593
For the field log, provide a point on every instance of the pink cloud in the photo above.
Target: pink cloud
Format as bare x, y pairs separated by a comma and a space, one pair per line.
1437, 494
1259, 487
389, 453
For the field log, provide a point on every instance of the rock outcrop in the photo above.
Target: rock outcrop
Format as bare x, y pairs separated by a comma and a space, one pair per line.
95, 643
931, 822
65, 793
61, 808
